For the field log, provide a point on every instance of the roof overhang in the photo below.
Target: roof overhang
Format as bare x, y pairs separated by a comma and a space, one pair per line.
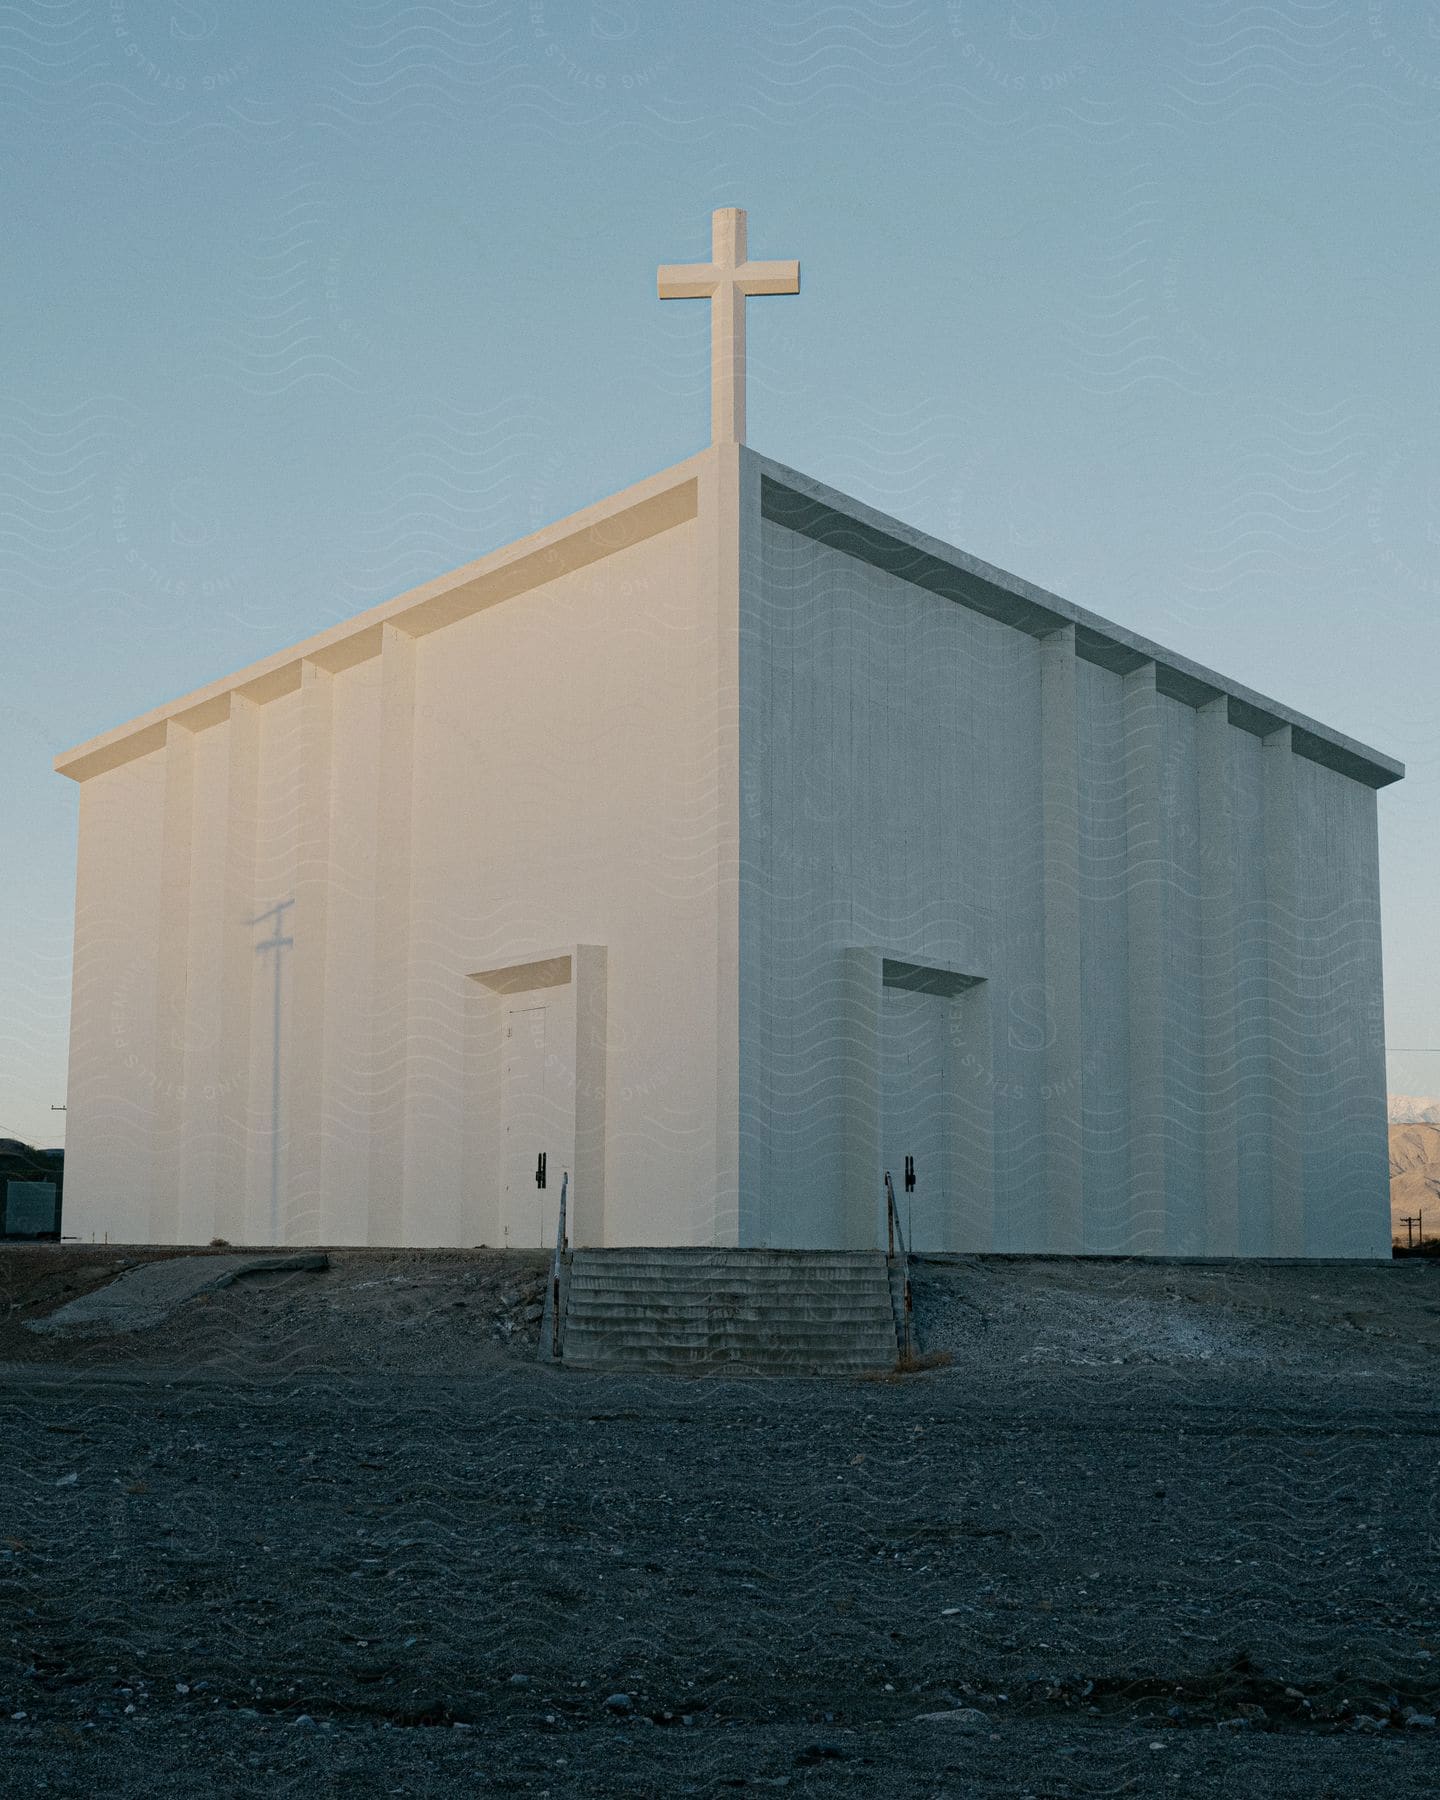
829, 517
671, 498
585, 537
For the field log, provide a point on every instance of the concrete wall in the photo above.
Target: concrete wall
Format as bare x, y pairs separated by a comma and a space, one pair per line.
1176, 1046
109, 1149
753, 785
1341, 1050
539, 775
890, 798
566, 732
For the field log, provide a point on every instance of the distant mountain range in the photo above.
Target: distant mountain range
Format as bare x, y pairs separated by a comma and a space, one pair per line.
1415, 1176
1414, 1109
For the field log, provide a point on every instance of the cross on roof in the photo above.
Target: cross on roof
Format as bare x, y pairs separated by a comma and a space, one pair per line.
727, 281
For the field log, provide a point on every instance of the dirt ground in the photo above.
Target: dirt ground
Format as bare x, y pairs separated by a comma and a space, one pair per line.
1155, 1529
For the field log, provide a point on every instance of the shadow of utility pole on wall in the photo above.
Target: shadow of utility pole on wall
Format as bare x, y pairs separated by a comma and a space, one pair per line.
279, 943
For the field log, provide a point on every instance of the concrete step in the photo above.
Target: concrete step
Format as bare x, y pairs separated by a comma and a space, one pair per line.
750, 1368
752, 1262
874, 1337
766, 1274
629, 1266
613, 1304
654, 1287
719, 1331
683, 1255
691, 1303
693, 1310
682, 1361
641, 1281
765, 1261
729, 1295
582, 1331
747, 1258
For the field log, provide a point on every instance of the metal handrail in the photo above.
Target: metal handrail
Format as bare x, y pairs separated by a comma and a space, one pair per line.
555, 1267
893, 1236
892, 1215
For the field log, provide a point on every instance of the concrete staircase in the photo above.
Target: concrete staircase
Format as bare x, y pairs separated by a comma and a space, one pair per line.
771, 1312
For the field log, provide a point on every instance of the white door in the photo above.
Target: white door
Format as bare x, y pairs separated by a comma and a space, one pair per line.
914, 1090
523, 1212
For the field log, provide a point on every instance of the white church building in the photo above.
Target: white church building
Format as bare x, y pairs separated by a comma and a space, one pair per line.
724, 846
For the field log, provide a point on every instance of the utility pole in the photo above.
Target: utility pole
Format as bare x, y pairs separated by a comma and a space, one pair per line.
1409, 1221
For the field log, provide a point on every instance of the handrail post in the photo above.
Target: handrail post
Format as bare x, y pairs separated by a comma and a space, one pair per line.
892, 1233
555, 1268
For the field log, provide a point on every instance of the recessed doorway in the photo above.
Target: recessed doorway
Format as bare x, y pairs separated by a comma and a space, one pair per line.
536, 1060
915, 1128
537, 1113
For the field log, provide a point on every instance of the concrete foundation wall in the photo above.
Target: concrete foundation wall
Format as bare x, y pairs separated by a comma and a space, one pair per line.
1175, 1046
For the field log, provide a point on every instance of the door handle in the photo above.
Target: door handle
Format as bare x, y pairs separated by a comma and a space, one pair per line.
540, 1170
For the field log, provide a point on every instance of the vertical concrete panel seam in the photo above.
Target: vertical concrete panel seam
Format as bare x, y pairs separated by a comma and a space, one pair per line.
390, 1029
972, 1162
1285, 1002
242, 762
1148, 1223
591, 1076
305, 1209
1061, 1096
860, 1038
172, 965
1218, 949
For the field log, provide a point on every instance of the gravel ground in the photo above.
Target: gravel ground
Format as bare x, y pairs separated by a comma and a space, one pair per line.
1155, 1528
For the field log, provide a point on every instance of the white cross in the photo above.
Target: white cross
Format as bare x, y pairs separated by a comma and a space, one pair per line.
726, 281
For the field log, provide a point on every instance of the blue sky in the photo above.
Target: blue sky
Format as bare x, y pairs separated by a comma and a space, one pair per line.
305, 305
